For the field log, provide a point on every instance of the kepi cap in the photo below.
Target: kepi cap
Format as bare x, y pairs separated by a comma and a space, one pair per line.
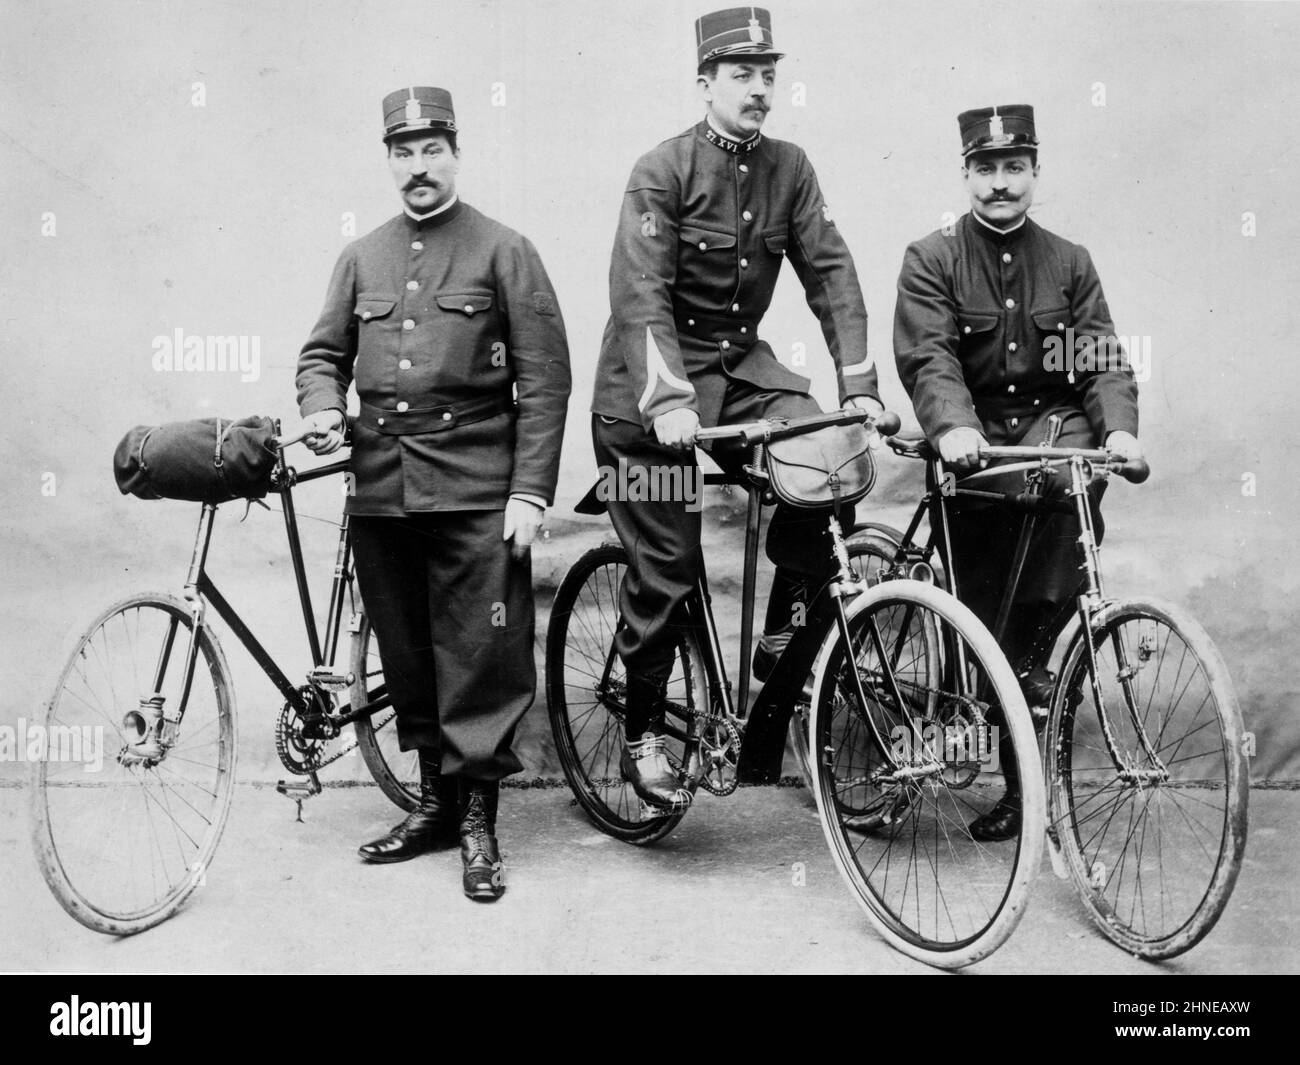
988, 129
735, 33
418, 108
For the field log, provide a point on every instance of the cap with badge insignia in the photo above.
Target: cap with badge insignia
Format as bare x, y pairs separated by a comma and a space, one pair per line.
416, 109
991, 129
736, 33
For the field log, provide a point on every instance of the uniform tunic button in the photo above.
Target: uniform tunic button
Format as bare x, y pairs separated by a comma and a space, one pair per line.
1011, 303
735, 306
1011, 346
744, 329
402, 406
412, 285
704, 246
446, 416
405, 364
726, 344
1006, 256
1015, 422
690, 321
1037, 401
966, 329
744, 169
744, 263
746, 216
409, 324
1060, 325
417, 245
1011, 388
379, 421
365, 316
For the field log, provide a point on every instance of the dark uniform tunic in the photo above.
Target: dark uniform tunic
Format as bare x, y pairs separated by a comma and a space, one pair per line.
705, 226
976, 310
450, 329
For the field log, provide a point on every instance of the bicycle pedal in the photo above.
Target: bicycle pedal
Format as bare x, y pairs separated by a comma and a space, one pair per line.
299, 790
326, 678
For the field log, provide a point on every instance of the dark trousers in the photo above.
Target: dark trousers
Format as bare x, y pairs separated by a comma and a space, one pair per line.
453, 613
662, 537
984, 540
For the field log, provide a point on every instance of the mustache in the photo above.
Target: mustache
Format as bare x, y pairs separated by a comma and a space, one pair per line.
1001, 198
418, 183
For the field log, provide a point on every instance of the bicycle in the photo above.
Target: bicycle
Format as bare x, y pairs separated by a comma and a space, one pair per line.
1145, 772
124, 852
925, 662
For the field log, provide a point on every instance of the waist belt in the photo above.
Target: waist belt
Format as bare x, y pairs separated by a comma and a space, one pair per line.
432, 419
710, 327
1029, 404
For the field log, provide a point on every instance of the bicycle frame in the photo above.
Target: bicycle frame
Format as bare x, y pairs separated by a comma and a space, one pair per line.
200, 590
1090, 601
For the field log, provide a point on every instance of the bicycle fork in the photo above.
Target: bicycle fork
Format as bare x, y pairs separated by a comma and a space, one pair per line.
157, 729
1090, 603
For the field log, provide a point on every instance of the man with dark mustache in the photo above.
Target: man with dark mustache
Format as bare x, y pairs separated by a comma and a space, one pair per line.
449, 326
708, 218
981, 308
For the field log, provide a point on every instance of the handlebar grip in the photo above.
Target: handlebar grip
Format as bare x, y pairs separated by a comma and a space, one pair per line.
888, 423
1135, 471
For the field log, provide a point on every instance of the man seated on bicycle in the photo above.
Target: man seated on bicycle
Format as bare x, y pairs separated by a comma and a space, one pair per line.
999, 325
707, 219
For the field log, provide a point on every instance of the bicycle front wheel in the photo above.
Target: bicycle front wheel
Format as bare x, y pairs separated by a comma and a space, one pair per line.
124, 832
586, 686
1152, 824
914, 724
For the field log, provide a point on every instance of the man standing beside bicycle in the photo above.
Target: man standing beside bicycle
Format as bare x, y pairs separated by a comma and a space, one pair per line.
439, 315
999, 326
708, 217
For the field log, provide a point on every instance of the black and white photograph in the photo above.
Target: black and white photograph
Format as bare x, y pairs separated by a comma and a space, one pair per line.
607, 488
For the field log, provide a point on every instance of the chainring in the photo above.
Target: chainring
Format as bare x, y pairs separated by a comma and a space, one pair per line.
300, 753
719, 756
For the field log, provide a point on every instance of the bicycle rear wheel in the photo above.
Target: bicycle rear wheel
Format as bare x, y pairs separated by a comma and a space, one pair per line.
123, 840
397, 772
938, 692
1153, 845
585, 688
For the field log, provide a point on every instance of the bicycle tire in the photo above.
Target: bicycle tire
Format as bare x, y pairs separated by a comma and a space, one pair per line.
988, 889
1209, 786
95, 840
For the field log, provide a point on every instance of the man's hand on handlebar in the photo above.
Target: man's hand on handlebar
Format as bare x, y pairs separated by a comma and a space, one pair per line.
322, 432
960, 447
873, 407
1124, 446
677, 428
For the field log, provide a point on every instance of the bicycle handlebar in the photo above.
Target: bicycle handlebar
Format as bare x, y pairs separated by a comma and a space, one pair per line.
1135, 471
765, 431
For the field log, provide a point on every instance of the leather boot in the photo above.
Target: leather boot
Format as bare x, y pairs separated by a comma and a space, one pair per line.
1000, 823
430, 826
644, 761
483, 876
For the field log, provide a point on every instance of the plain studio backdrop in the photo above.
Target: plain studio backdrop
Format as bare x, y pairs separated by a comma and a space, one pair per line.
199, 167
